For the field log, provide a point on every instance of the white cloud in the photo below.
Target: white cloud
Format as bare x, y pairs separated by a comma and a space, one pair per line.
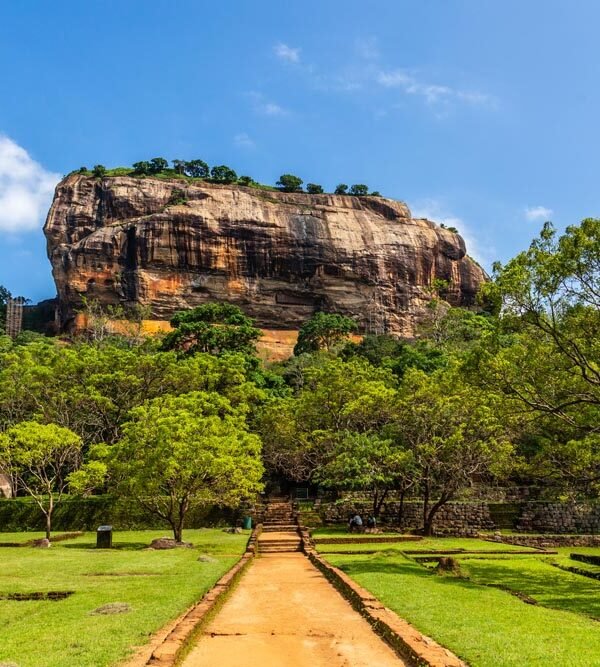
285, 52
533, 213
436, 212
242, 140
432, 93
266, 107
26, 189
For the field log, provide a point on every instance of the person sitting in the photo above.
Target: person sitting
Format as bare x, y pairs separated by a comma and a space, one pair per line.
356, 524
371, 524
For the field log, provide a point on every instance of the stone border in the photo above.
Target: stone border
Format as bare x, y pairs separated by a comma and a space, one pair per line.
165, 647
406, 640
368, 539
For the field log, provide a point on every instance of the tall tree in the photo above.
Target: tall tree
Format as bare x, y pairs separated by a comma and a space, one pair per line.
289, 183
182, 452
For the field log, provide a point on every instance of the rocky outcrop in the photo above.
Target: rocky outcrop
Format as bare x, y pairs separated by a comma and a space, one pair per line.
172, 244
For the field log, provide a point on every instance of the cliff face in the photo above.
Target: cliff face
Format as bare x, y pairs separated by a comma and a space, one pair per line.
170, 244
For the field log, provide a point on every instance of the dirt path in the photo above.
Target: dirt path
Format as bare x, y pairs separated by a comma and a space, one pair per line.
285, 613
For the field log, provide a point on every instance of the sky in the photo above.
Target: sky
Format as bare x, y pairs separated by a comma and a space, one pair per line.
479, 114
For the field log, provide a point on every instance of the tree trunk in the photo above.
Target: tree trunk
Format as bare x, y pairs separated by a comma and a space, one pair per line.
401, 508
378, 500
426, 507
429, 517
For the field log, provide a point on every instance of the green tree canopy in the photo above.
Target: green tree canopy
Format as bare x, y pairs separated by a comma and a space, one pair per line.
314, 189
40, 457
223, 174
341, 189
359, 190
181, 452
324, 331
214, 328
289, 183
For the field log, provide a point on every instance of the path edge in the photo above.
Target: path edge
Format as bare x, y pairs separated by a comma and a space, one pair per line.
406, 640
167, 644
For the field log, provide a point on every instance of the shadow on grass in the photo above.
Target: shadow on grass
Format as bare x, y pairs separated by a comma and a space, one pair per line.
550, 587
121, 546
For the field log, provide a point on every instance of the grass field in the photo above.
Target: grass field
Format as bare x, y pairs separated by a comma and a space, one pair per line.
477, 616
157, 585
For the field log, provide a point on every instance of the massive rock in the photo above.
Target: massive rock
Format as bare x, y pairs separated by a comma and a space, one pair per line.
172, 244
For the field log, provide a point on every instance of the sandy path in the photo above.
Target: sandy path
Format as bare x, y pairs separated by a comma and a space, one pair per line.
285, 613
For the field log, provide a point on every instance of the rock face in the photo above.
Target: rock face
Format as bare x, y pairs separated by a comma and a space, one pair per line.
171, 244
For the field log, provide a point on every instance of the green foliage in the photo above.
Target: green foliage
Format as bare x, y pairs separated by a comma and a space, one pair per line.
141, 168
341, 189
323, 331
158, 164
180, 452
223, 174
39, 458
314, 189
213, 327
99, 171
196, 169
359, 190
289, 183
178, 197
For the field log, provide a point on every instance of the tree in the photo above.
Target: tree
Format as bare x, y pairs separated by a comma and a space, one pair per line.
213, 327
179, 166
142, 168
323, 332
158, 164
40, 458
456, 435
314, 189
181, 452
366, 462
341, 189
359, 190
99, 171
223, 174
375, 193
197, 169
289, 183
5, 295
246, 180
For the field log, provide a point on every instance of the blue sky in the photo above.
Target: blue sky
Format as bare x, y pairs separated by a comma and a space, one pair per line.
479, 113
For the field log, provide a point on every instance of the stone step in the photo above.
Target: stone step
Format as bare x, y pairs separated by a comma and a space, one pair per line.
279, 527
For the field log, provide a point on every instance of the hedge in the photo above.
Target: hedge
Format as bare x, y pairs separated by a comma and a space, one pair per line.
22, 514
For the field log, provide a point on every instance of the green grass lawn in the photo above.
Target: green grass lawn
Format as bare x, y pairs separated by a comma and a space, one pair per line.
486, 626
425, 545
158, 585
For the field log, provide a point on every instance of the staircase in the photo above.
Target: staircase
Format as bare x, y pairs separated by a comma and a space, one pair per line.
280, 528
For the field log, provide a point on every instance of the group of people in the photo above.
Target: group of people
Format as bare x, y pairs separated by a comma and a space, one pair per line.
356, 524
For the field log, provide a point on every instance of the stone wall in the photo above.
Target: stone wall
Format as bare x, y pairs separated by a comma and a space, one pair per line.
559, 518
461, 519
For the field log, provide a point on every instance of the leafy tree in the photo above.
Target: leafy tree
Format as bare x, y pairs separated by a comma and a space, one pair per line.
99, 171
289, 183
5, 295
179, 166
40, 457
223, 174
213, 327
455, 433
359, 190
157, 165
323, 332
366, 462
82, 170
375, 193
314, 189
246, 180
341, 189
142, 168
181, 452
197, 169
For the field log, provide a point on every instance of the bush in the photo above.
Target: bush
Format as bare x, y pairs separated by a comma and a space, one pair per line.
76, 513
314, 189
99, 171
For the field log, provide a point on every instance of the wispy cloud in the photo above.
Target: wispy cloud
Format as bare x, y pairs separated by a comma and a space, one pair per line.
285, 52
436, 211
242, 140
535, 213
26, 188
266, 107
432, 93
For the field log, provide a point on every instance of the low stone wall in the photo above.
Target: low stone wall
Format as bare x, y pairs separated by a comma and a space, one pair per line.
559, 518
460, 519
545, 541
